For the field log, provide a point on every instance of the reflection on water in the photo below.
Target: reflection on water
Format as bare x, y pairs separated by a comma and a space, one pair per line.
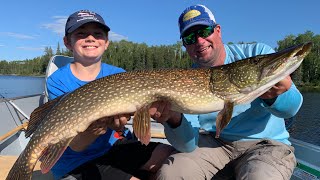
306, 126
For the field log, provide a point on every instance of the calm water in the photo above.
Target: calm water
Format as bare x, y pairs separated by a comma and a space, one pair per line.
306, 126
13, 86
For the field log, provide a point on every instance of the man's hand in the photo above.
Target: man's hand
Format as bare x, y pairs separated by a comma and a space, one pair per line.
279, 88
161, 112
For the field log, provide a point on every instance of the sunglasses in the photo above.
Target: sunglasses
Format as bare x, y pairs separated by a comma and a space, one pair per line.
191, 38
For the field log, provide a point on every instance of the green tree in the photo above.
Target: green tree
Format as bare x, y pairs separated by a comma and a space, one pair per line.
308, 72
58, 51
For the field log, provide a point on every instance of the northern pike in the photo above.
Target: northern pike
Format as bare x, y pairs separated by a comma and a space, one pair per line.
192, 91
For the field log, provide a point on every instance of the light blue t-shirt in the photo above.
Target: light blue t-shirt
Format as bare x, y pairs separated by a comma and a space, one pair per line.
61, 82
251, 121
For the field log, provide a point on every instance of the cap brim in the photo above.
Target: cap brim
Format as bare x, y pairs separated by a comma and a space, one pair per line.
73, 28
203, 22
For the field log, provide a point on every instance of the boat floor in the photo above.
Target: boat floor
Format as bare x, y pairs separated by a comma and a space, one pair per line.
6, 162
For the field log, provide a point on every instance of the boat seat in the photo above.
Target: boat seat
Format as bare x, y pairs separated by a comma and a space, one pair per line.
55, 62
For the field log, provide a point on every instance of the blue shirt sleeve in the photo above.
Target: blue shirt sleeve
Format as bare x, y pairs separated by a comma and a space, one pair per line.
61, 82
185, 137
287, 104
53, 89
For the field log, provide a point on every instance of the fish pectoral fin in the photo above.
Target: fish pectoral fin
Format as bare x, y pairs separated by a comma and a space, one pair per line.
142, 125
52, 153
224, 117
39, 114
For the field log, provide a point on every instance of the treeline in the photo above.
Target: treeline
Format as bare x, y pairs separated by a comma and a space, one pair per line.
134, 56
125, 54
308, 74
30, 67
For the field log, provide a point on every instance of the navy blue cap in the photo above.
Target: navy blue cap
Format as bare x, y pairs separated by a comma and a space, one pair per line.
195, 15
82, 17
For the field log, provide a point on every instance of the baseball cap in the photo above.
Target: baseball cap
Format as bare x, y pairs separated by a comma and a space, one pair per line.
82, 17
195, 15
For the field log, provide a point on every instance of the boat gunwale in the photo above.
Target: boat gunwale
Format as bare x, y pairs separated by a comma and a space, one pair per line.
4, 99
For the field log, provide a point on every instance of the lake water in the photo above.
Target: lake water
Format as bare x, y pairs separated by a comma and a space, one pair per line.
306, 125
13, 86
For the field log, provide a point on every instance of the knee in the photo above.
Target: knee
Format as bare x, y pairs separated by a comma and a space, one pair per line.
178, 166
258, 170
159, 155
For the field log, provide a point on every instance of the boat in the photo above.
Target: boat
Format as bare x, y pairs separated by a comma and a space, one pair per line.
15, 113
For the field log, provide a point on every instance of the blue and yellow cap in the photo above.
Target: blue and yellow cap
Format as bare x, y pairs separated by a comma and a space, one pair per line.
195, 15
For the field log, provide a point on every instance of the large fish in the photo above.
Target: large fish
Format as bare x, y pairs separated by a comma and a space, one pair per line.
191, 91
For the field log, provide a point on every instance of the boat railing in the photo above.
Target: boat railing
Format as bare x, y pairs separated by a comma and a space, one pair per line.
17, 114
4, 99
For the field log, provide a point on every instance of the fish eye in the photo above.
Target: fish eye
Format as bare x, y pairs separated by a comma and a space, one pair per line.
255, 60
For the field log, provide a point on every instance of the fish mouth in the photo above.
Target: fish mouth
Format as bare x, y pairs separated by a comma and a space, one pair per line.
274, 68
285, 62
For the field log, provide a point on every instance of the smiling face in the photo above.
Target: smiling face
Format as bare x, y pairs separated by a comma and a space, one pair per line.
87, 43
208, 51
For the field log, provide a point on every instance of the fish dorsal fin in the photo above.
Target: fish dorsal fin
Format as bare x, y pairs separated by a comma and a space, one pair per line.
142, 125
52, 153
39, 114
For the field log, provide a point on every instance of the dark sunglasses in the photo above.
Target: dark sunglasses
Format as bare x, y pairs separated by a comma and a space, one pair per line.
191, 38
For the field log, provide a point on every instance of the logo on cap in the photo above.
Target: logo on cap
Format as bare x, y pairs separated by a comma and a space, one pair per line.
195, 15
83, 15
191, 14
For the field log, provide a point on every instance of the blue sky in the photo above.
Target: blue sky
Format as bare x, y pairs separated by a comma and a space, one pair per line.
27, 27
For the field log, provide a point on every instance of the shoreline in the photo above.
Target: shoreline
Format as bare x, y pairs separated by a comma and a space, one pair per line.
19, 75
309, 89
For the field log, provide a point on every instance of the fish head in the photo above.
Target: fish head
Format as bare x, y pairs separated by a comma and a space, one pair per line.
273, 68
249, 78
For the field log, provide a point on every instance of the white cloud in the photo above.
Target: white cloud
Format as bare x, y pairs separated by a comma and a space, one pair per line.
59, 22
57, 25
48, 45
116, 37
31, 48
18, 36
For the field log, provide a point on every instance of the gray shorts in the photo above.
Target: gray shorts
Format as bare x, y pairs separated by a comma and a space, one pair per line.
216, 159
